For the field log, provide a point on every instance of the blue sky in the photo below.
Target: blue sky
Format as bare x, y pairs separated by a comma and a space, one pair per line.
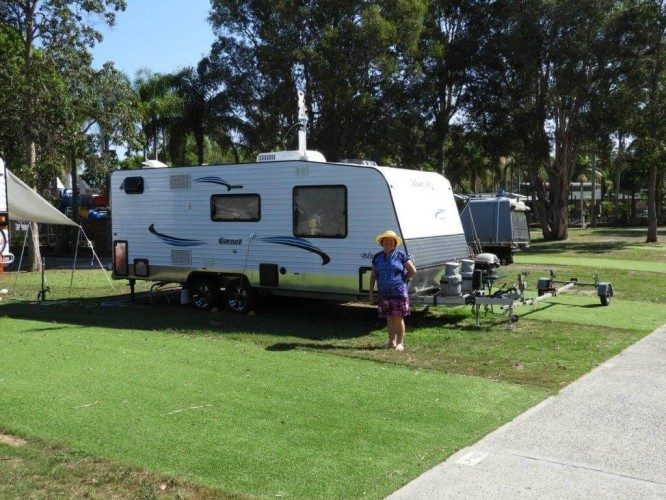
161, 35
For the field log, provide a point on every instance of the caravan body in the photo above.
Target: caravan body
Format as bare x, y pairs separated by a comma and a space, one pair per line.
302, 228
498, 224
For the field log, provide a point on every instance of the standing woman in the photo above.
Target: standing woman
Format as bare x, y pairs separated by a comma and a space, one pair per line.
392, 269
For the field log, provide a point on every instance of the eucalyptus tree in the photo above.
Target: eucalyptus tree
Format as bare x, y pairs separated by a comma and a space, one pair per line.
52, 107
351, 57
106, 110
254, 55
548, 68
650, 125
63, 31
448, 49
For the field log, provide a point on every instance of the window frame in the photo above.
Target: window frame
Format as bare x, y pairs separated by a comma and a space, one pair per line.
235, 195
295, 211
133, 184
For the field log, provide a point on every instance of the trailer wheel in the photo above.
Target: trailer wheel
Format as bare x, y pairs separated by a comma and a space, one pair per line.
605, 299
240, 297
203, 293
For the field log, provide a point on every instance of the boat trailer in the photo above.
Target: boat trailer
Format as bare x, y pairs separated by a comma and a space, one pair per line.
474, 287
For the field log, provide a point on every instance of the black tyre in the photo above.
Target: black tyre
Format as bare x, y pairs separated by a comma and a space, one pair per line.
605, 299
240, 297
203, 293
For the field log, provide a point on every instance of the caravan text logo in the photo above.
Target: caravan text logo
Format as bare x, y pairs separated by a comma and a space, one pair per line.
228, 241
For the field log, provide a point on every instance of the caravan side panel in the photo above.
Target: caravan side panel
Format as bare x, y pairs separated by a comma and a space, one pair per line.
169, 224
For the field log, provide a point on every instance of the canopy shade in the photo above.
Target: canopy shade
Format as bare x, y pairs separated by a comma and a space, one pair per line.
26, 205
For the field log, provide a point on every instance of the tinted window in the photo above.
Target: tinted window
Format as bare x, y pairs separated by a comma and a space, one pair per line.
320, 211
132, 185
235, 207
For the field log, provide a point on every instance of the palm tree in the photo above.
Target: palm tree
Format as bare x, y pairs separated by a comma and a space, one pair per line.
159, 106
206, 110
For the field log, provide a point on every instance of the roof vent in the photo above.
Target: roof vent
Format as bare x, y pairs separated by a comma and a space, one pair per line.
154, 164
291, 155
358, 161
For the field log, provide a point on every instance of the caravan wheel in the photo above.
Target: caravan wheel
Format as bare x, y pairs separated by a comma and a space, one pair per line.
203, 293
240, 297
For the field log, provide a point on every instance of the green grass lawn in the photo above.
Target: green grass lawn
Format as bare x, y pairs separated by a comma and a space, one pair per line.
299, 399
240, 417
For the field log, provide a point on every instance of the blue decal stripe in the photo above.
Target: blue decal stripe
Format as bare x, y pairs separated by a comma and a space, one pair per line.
298, 243
173, 240
217, 180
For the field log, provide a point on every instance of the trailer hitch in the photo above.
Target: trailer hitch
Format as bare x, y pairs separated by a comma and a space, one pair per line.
545, 286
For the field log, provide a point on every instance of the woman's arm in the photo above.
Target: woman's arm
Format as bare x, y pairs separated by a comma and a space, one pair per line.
410, 270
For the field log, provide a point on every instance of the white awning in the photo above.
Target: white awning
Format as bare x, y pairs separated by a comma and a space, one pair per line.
25, 204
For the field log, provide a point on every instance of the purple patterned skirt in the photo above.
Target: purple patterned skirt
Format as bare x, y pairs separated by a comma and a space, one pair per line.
392, 306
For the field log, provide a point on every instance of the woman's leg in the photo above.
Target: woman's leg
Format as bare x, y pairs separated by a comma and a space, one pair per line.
393, 324
399, 330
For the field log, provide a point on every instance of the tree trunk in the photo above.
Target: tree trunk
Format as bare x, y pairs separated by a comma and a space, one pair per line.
439, 155
593, 208
652, 205
35, 262
582, 206
35, 255
199, 138
75, 183
558, 215
620, 154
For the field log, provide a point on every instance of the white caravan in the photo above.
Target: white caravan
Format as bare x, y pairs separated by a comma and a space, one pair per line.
291, 227
289, 224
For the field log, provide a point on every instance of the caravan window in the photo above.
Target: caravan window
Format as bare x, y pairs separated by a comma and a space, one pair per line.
320, 211
235, 207
132, 185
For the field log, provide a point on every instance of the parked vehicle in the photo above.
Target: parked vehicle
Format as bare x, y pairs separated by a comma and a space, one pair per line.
288, 224
495, 224
289, 227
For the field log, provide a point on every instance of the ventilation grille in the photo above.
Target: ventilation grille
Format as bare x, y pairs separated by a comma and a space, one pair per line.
181, 257
181, 181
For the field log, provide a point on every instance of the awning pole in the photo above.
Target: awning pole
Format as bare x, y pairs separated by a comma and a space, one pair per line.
76, 254
97, 258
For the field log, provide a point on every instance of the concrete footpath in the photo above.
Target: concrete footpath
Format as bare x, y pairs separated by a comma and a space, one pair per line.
604, 436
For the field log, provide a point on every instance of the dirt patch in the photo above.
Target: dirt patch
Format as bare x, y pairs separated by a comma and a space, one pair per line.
11, 463
12, 440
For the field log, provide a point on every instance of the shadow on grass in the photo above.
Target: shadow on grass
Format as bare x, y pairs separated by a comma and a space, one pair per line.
579, 247
290, 346
309, 319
